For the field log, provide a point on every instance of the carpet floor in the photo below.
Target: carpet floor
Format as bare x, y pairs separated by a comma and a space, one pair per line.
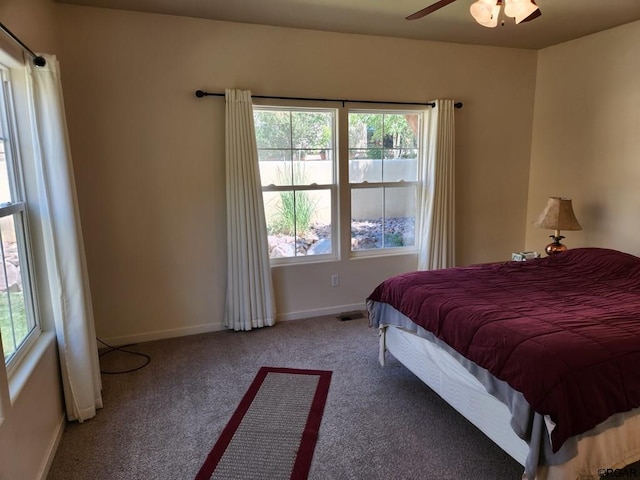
161, 421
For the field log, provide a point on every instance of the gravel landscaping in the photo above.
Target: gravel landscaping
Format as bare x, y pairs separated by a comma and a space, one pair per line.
366, 234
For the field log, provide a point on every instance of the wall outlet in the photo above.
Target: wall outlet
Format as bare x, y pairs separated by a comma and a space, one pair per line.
335, 280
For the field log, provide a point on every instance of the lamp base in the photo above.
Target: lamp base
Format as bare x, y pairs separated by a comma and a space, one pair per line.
555, 246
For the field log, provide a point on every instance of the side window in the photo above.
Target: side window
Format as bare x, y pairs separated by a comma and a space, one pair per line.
384, 153
18, 325
297, 157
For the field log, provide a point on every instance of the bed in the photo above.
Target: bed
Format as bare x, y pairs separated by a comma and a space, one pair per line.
541, 355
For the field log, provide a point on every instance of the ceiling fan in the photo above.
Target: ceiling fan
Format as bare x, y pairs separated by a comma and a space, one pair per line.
486, 12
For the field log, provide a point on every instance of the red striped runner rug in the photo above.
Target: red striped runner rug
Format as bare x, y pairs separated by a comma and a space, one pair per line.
273, 432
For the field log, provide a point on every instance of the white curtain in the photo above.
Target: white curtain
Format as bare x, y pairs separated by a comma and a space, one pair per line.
63, 246
437, 216
250, 300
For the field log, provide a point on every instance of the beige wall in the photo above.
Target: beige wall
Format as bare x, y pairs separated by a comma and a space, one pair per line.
586, 144
149, 157
33, 21
32, 428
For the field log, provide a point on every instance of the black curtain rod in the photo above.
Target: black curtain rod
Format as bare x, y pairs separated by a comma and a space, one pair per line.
200, 94
37, 60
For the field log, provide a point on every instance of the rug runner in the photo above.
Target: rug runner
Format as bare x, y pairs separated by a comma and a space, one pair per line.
273, 432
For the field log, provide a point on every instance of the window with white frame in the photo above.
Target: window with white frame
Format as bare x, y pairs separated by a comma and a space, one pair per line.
299, 160
18, 325
296, 152
384, 153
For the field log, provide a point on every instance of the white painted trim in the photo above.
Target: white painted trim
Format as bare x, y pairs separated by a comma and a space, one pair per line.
162, 334
216, 327
320, 312
27, 365
53, 448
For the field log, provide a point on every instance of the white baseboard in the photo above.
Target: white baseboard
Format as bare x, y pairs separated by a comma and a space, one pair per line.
216, 327
161, 334
53, 448
320, 312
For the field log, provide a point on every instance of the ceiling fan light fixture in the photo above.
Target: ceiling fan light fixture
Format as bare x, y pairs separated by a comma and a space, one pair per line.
521, 10
486, 12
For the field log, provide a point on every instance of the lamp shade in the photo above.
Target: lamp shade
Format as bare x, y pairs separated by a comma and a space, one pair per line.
558, 215
485, 12
520, 9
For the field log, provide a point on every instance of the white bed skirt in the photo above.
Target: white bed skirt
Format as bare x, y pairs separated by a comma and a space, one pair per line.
610, 449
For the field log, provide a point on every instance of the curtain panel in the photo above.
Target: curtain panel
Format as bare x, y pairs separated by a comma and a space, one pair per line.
68, 292
250, 301
437, 217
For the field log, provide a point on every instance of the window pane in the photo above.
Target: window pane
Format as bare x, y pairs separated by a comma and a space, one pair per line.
14, 323
400, 216
367, 209
383, 217
308, 160
312, 131
383, 147
400, 165
274, 155
365, 166
273, 129
275, 167
365, 130
5, 191
318, 170
298, 222
401, 130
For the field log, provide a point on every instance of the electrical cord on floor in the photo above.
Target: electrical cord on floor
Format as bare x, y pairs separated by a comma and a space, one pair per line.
122, 349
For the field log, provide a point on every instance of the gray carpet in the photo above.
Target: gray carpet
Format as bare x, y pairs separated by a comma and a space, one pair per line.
160, 422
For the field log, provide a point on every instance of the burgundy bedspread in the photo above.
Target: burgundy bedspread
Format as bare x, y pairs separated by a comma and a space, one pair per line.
563, 330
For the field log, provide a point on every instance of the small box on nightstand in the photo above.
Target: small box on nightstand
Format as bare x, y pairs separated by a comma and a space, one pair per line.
524, 256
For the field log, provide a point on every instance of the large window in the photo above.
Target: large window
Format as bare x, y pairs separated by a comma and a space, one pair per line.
17, 319
296, 151
299, 160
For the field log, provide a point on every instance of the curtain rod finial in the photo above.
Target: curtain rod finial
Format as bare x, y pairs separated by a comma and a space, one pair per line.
39, 61
200, 93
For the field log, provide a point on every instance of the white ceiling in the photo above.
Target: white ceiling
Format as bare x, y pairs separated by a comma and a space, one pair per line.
561, 20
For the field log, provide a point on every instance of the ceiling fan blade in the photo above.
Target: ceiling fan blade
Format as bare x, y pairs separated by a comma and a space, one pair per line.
430, 9
533, 16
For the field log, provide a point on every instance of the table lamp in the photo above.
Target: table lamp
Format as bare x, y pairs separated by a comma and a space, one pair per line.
557, 215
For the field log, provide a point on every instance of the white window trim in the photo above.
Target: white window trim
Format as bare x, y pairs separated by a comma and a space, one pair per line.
342, 197
20, 366
298, 106
389, 251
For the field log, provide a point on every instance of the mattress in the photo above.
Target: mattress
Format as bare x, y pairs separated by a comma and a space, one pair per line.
449, 379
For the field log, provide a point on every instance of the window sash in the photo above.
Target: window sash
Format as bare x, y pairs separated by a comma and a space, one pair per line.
16, 306
373, 242
379, 233
383, 184
289, 188
289, 160
18, 233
